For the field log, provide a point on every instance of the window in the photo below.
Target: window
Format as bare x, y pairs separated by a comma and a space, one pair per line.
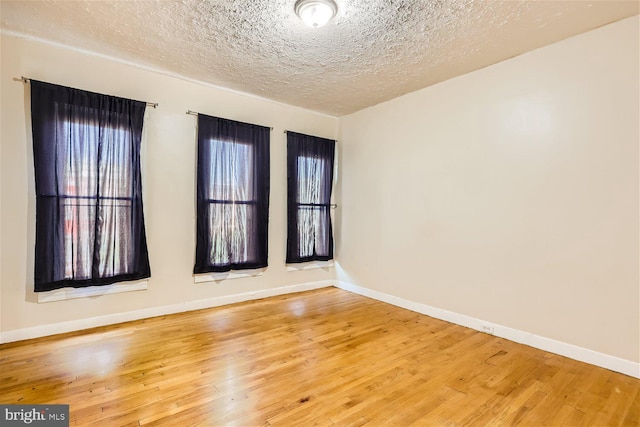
79, 181
310, 163
90, 224
232, 195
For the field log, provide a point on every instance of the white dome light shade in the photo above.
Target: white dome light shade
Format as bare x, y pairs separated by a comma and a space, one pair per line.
316, 13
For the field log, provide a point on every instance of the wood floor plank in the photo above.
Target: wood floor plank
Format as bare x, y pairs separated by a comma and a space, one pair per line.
632, 416
319, 358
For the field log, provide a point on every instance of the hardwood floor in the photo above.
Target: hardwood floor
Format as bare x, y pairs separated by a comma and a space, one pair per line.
318, 358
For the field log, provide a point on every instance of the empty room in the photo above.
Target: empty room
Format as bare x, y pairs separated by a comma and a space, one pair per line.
319, 213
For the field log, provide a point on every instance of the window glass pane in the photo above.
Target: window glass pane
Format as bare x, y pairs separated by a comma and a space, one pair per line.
79, 217
231, 171
312, 229
79, 149
114, 233
116, 165
311, 182
232, 233
81, 154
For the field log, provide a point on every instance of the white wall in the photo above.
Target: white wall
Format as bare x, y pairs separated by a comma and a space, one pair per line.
509, 194
169, 181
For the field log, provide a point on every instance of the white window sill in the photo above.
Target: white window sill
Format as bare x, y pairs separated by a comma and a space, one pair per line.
227, 275
310, 265
91, 291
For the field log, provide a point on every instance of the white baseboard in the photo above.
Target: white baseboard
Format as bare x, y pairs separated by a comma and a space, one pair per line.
110, 319
571, 351
613, 363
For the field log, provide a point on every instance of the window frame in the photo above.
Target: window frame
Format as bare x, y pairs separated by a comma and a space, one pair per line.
93, 174
251, 203
212, 130
312, 147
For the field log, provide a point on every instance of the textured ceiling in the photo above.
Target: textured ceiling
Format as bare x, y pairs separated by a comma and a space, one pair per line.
373, 51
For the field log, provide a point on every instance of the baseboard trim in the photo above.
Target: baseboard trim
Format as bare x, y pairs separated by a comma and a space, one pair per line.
571, 351
110, 319
613, 363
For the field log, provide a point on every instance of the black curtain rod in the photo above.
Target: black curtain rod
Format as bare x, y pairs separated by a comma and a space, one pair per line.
27, 80
195, 113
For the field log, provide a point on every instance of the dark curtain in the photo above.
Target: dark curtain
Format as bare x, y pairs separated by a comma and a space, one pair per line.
89, 217
309, 184
232, 195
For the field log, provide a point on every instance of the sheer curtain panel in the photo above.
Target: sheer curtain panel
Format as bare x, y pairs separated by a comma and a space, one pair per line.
89, 215
309, 183
232, 195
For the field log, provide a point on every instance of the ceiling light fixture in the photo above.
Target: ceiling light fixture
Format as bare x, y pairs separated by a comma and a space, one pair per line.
316, 13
